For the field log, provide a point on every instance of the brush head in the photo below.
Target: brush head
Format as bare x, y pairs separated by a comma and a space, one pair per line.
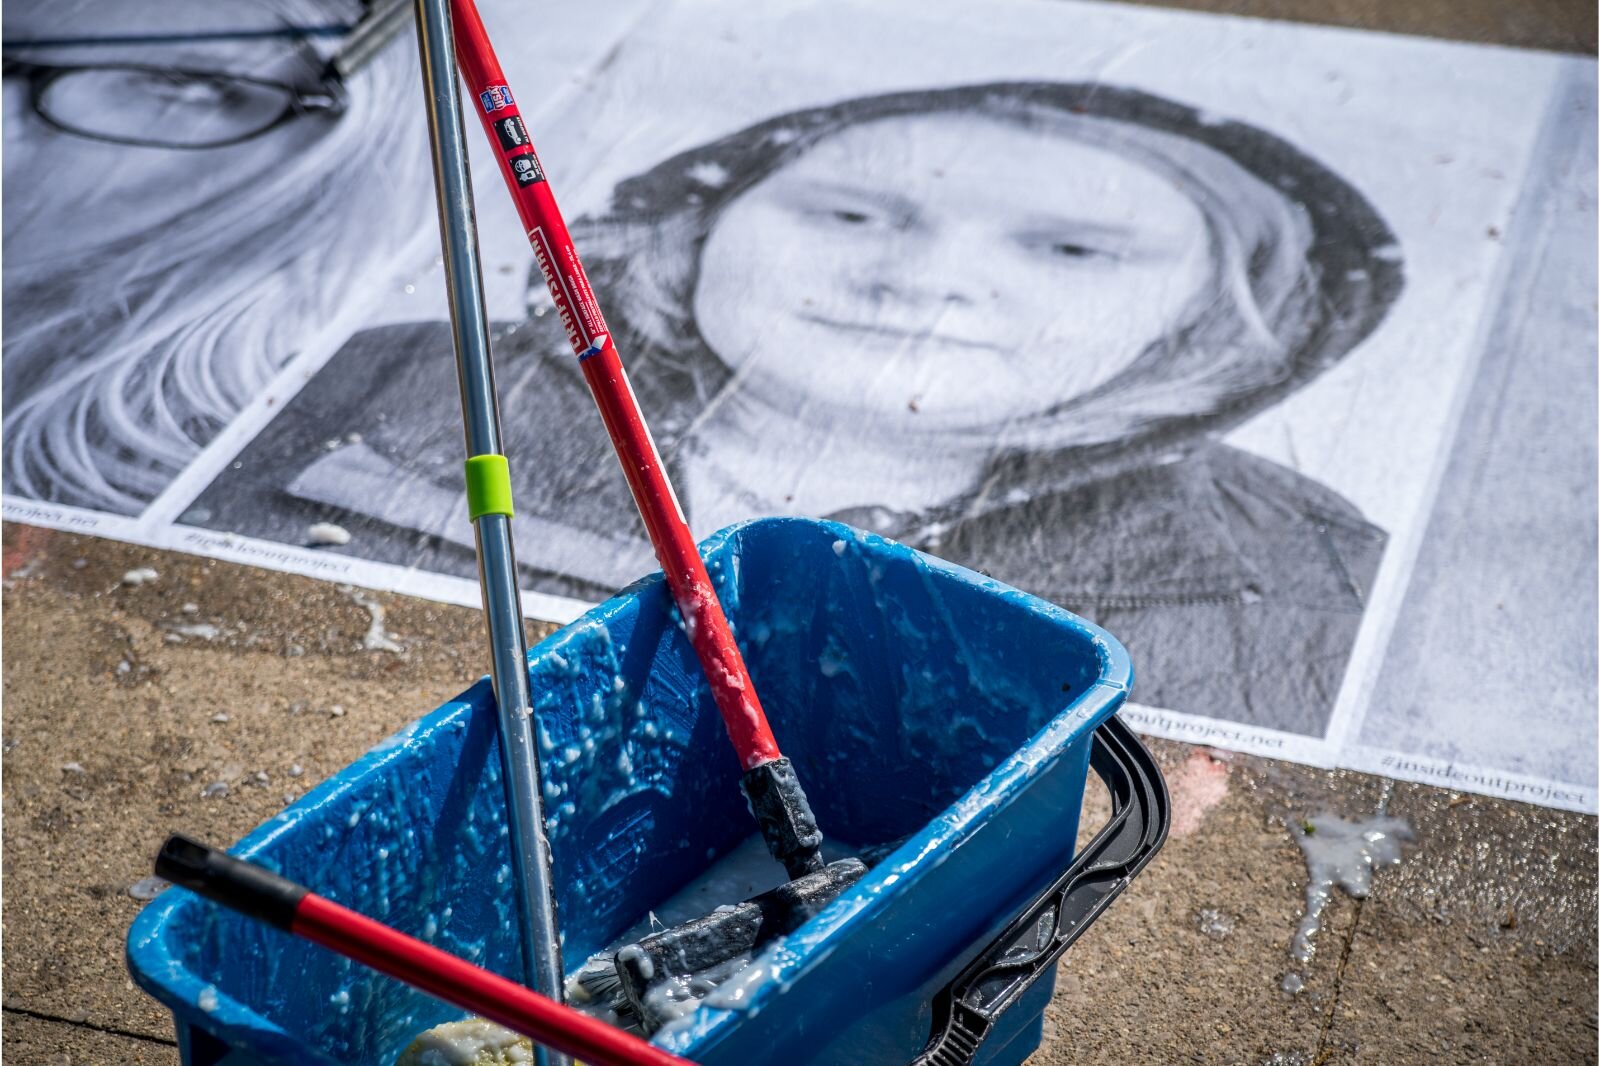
597, 989
664, 973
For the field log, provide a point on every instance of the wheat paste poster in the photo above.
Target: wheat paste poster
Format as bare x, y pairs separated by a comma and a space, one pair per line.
1181, 345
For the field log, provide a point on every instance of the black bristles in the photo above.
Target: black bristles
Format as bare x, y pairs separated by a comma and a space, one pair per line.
597, 984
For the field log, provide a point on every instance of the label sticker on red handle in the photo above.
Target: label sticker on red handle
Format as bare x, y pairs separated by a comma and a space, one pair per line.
512, 133
495, 97
526, 169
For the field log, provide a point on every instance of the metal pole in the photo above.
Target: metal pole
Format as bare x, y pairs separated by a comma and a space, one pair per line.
497, 569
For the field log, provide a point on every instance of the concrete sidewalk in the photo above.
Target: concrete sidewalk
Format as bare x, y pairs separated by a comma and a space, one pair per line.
1481, 947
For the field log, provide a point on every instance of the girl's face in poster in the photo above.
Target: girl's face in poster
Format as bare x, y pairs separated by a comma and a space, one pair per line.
947, 271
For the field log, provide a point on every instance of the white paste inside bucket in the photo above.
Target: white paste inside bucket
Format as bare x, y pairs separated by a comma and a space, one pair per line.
473, 1042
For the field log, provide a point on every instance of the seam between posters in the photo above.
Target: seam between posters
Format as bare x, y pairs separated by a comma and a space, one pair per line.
1528, 226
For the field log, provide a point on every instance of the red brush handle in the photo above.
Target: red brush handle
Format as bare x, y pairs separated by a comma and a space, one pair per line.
703, 619
471, 987
268, 897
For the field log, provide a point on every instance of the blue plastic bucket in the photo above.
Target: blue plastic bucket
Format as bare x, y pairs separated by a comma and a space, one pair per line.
919, 701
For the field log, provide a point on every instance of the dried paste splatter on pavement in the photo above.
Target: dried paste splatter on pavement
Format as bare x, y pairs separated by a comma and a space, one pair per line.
177, 632
148, 888
1213, 923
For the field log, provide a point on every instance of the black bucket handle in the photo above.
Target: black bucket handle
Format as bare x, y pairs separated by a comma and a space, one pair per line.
965, 1011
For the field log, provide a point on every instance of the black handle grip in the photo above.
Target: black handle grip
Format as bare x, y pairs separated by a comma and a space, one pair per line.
216, 875
965, 1010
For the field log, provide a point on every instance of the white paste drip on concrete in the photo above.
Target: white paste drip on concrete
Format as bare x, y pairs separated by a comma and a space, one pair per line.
1343, 854
378, 638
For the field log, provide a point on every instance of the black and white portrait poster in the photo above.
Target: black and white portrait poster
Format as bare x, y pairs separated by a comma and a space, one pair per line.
1268, 348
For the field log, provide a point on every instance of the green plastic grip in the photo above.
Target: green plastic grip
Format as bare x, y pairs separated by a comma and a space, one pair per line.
488, 486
